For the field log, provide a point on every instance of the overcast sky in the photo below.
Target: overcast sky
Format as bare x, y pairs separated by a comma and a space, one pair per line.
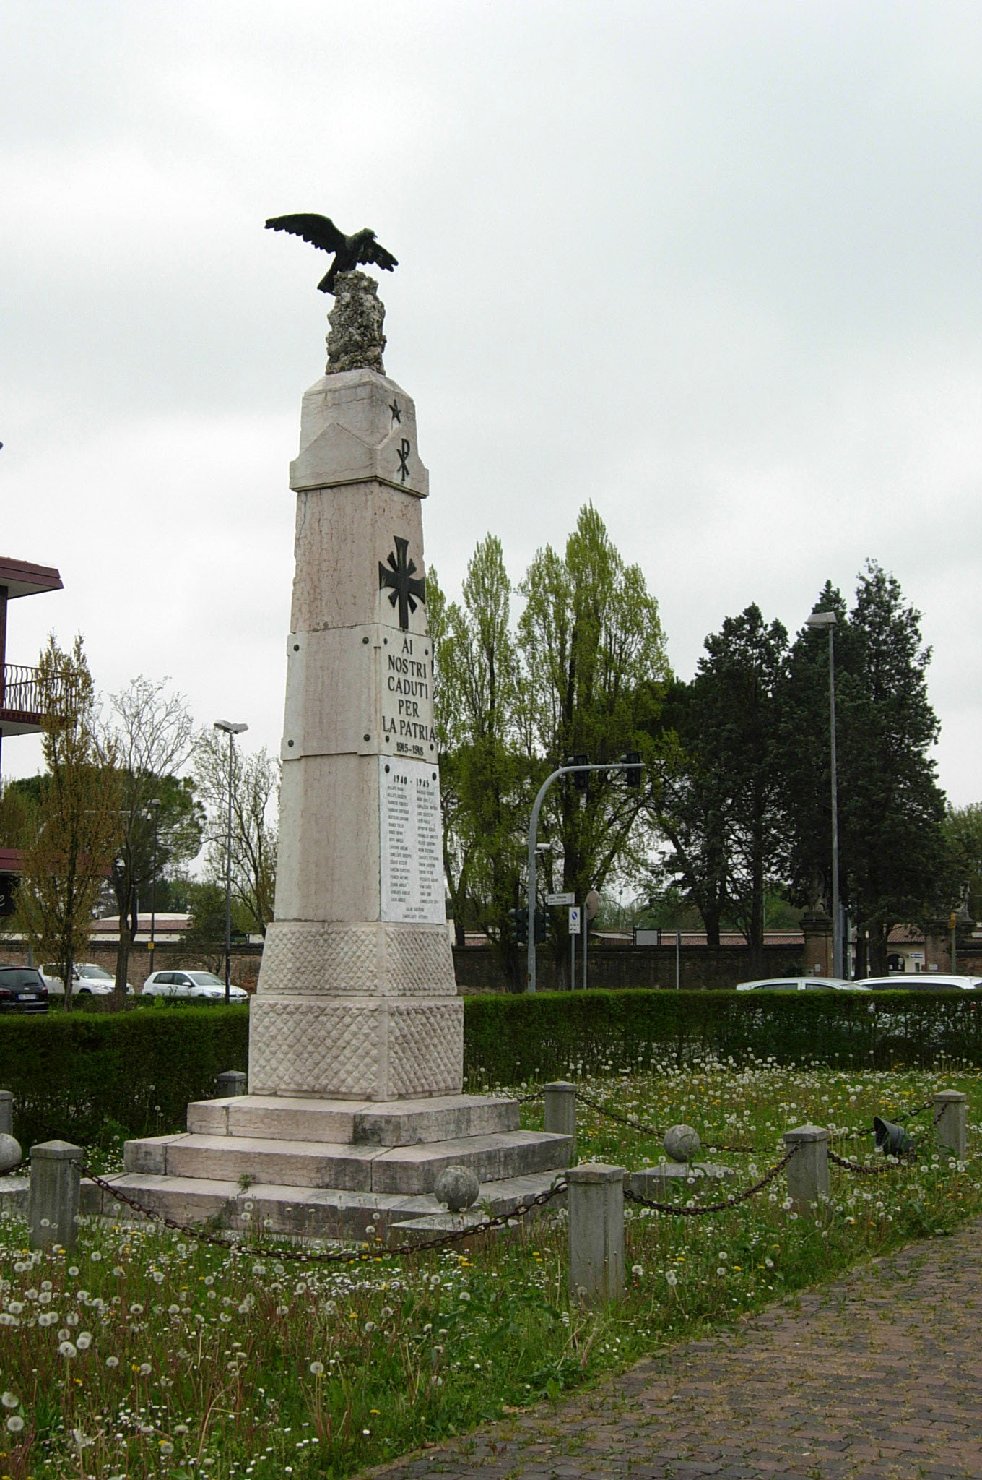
714, 267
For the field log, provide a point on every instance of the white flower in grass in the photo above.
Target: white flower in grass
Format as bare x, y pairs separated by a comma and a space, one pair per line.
317, 1369
638, 1271
84, 1340
15, 1423
9, 1400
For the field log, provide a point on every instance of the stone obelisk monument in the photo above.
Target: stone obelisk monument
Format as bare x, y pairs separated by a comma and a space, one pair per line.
354, 1103
356, 996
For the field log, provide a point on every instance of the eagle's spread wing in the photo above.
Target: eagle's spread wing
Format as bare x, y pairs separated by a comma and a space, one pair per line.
373, 251
320, 231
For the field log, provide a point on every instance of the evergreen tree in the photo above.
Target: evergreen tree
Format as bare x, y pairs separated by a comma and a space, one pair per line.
720, 807
895, 865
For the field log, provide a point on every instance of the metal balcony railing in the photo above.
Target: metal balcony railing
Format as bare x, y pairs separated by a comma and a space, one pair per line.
26, 691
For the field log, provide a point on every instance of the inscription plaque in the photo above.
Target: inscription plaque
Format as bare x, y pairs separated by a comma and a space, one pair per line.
411, 850
406, 689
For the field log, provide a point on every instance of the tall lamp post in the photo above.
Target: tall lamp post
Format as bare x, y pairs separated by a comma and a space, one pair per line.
154, 805
817, 621
231, 729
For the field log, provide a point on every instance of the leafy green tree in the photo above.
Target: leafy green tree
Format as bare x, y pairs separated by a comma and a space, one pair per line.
70, 856
963, 831
721, 806
254, 788
204, 938
595, 669
483, 774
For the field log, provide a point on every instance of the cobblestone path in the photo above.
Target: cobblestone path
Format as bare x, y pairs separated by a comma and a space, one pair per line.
875, 1377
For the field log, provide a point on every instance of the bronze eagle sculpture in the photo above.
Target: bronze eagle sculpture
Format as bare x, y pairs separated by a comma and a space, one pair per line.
349, 251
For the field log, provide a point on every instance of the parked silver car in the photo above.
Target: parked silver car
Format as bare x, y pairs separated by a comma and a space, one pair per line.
922, 981
88, 980
801, 984
190, 986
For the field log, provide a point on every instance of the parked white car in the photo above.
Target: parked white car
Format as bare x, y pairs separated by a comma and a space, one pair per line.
88, 980
922, 981
802, 984
188, 985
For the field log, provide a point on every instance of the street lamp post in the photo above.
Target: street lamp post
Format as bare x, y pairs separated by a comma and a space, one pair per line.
154, 805
817, 621
231, 729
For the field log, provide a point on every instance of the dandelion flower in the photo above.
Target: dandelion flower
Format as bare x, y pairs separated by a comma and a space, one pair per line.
10, 1400
317, 1369
15, 1423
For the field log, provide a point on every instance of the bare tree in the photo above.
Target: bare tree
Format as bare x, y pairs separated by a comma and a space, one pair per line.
254, 786
152, 735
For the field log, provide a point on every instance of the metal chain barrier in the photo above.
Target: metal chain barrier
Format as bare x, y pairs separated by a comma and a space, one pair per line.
650, 1130
675, 1211
333, 1256
860, 1169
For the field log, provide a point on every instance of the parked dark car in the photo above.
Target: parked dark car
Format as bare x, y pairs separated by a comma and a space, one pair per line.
22, 990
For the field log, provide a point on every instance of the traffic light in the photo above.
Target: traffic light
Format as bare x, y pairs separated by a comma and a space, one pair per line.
520, 925
540, 926
581, 779
632, 775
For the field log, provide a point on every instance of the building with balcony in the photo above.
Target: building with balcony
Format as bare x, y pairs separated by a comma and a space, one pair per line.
23, 698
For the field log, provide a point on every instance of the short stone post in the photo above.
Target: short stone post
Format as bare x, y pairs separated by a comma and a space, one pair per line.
56, 1171
560, 1111
6, 1113
232, 1082
808, 1169
950, 1111
596, 1231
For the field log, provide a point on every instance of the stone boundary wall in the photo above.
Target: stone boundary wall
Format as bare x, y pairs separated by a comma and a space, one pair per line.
478, 969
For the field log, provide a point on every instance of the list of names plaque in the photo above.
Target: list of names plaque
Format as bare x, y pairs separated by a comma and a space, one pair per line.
411, 847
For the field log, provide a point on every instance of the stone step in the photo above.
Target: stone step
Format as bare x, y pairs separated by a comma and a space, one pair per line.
345, 1168
304, 1212
360, 1122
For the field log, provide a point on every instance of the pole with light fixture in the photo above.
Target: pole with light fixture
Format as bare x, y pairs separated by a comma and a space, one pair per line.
154, 805
817, 621
231, 729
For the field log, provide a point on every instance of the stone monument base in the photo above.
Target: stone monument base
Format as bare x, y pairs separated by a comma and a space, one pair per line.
334, 1168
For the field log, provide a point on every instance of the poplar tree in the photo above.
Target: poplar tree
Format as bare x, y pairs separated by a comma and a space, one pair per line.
595, 671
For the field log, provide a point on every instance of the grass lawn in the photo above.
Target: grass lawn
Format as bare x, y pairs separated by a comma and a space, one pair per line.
144, 1353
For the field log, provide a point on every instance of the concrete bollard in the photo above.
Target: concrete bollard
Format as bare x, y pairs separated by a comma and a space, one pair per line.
56, 1171
808, 1169
950, 1121
596, 1231
6, 1113
560, 1111
232, 1082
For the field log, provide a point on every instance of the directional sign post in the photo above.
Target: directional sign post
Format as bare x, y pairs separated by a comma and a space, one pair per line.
561, 898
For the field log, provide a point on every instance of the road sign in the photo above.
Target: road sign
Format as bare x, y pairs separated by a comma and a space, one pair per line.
561, 898
575, 920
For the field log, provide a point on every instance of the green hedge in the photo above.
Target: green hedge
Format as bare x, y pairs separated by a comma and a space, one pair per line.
89, 1077
510, 1040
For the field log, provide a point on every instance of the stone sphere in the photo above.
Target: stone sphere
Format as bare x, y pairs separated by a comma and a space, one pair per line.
682, 1143
10, 1152
457, 1188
